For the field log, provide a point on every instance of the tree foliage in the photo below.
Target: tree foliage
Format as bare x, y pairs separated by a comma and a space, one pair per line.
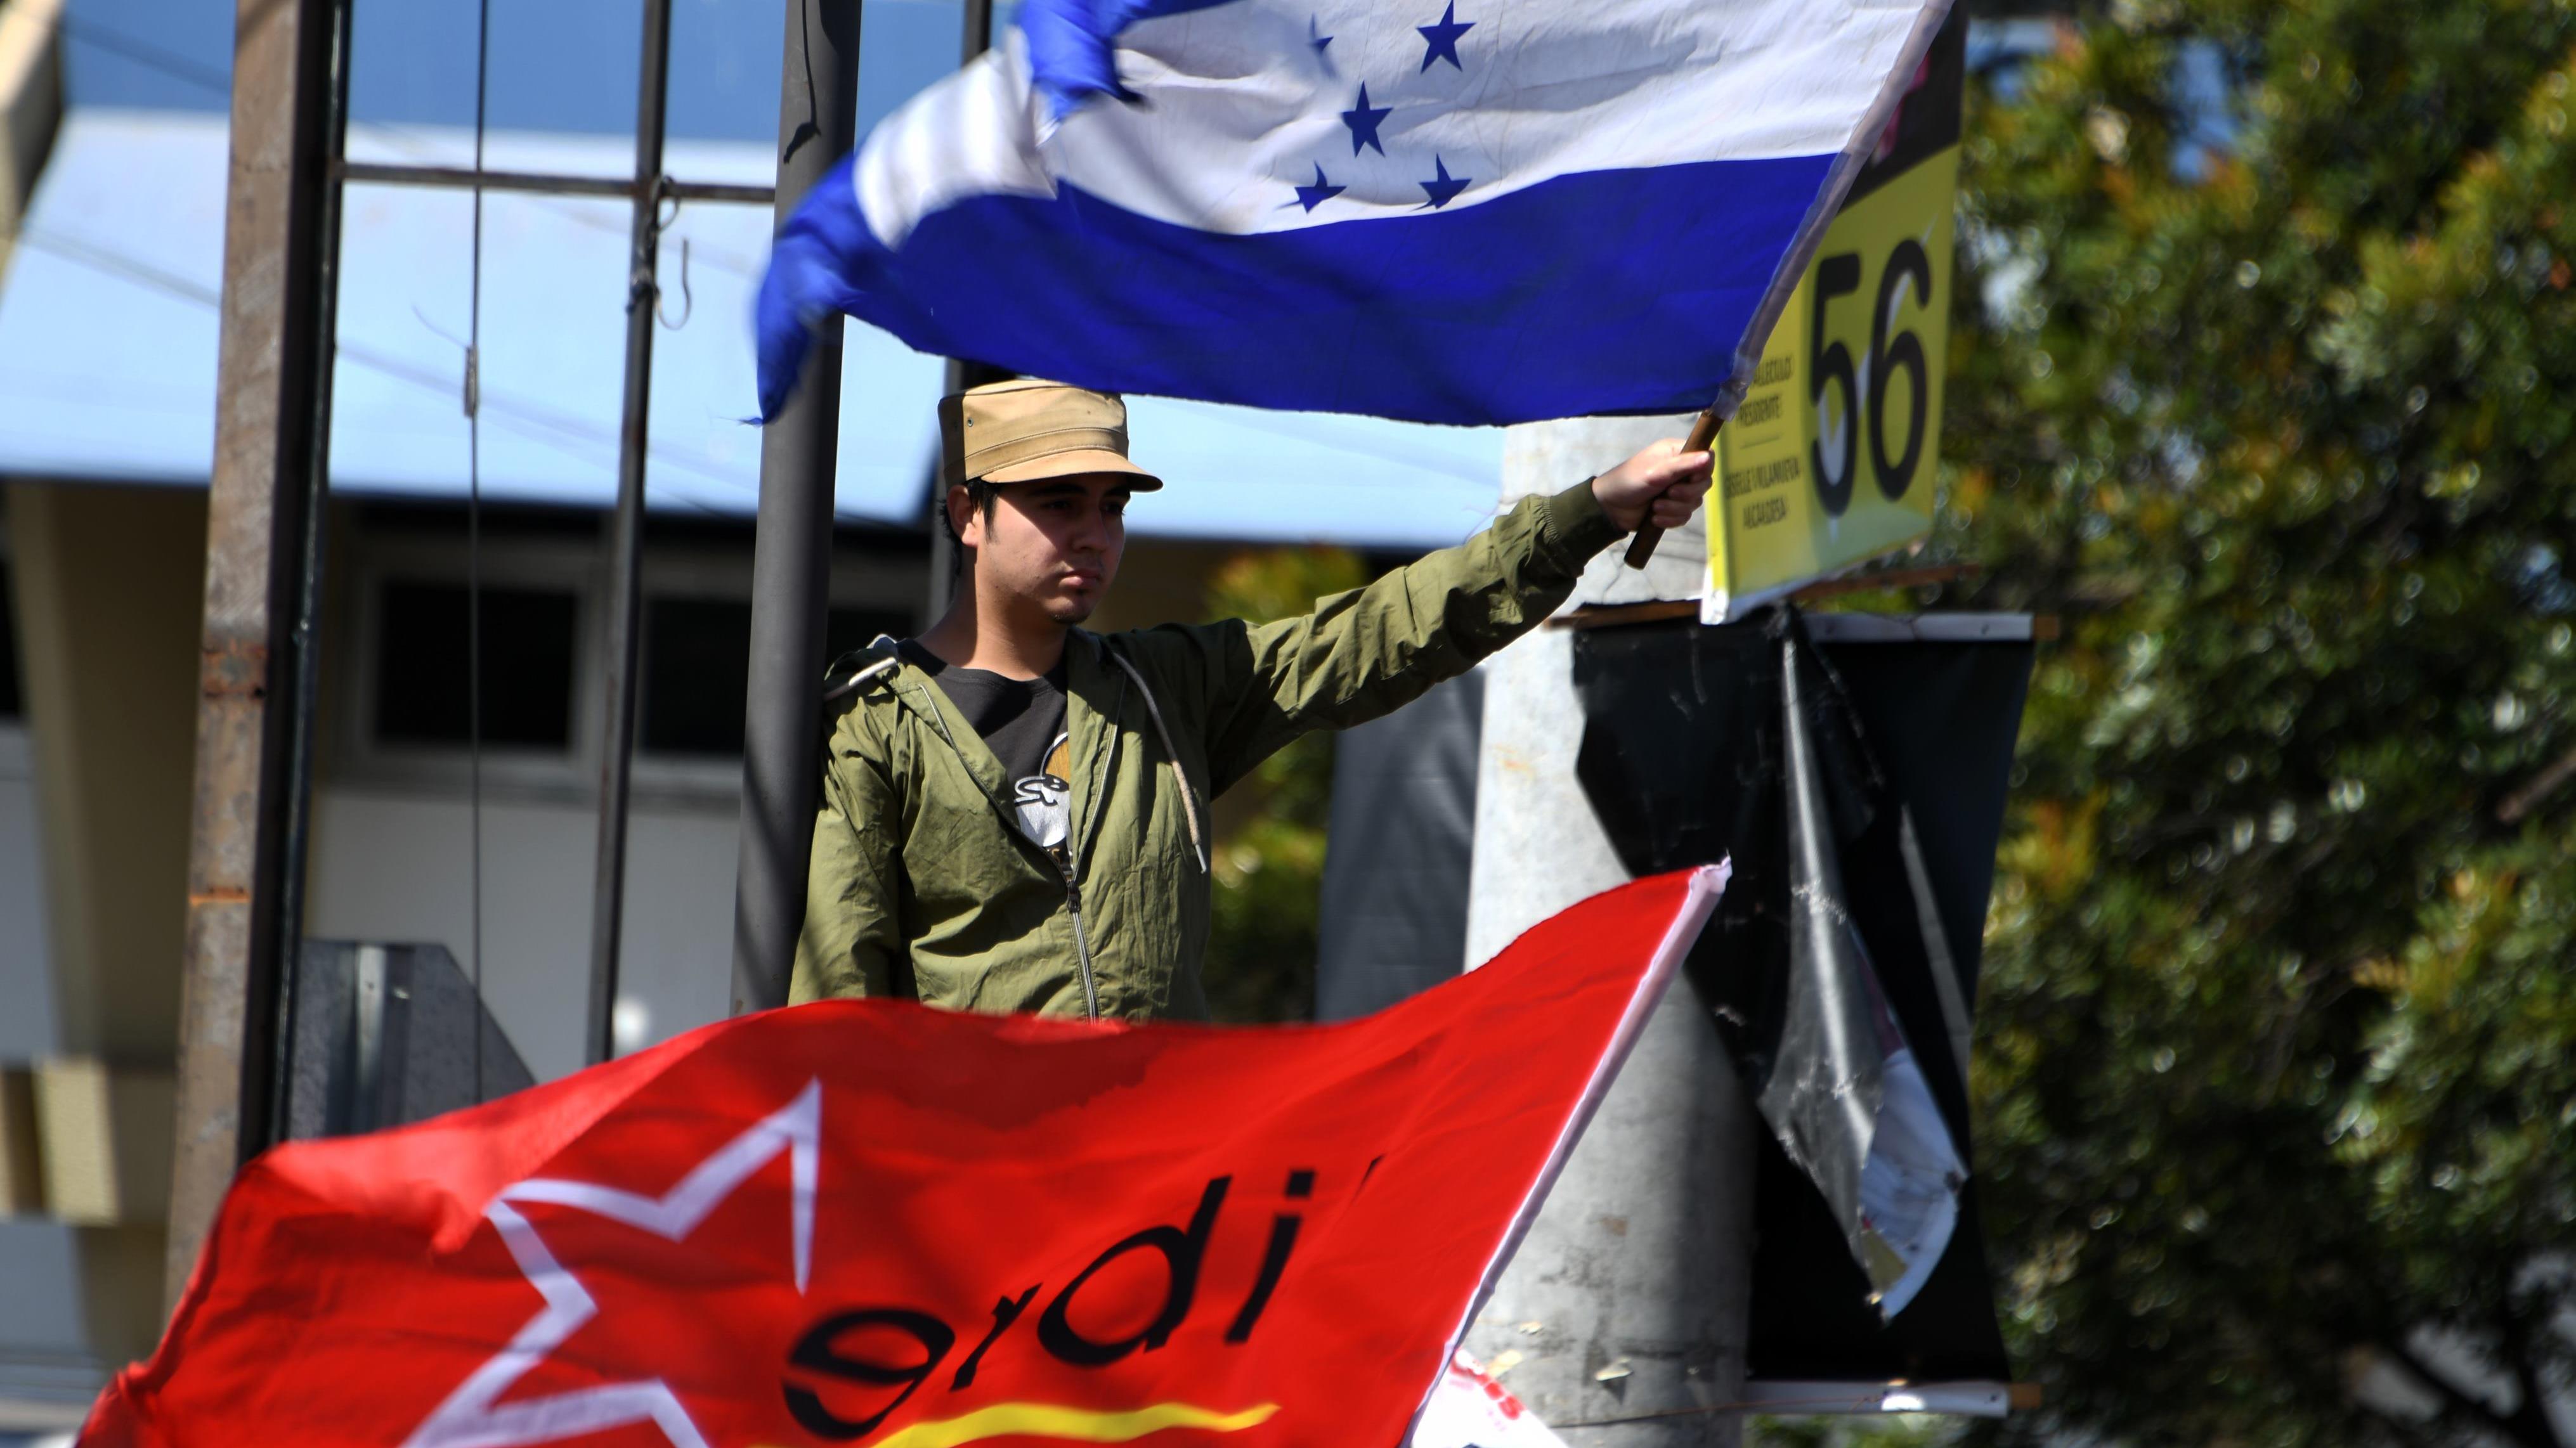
1270, 870
2278, 1037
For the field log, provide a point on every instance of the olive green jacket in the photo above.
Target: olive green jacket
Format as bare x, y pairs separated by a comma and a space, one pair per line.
921, 885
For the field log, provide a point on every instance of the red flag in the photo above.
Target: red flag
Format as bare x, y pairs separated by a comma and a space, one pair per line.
867, 1222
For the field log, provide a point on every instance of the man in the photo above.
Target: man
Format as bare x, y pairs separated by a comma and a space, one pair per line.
1014, 810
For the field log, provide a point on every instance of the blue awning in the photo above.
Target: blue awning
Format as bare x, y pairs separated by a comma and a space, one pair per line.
108, 333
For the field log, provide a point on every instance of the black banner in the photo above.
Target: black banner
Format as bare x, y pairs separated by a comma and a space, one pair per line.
1859, 789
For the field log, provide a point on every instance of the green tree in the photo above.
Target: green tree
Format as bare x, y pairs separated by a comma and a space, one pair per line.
2278, 1061
1270, 869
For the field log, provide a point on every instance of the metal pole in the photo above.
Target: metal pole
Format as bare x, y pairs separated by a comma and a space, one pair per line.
1628, 1300
290, 78
974, 37
792, 552
307, 687
626, 545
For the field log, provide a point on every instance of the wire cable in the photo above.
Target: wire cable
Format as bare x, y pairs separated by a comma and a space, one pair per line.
474, 538
214, 79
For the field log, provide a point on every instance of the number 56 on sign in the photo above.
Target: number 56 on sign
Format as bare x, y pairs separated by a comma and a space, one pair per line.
1831, 459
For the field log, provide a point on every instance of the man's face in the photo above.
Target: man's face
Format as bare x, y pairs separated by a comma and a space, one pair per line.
1051, 545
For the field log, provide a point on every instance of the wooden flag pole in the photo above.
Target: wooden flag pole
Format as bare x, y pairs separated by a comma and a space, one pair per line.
1703, 437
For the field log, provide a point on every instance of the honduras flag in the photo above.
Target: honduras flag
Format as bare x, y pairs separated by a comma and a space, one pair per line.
1456, 211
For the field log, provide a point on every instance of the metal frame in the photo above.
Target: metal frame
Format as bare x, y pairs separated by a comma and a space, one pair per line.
1828, 1399
647, 190
465, 178
261, 637
626, 549
1908, 628
974, 37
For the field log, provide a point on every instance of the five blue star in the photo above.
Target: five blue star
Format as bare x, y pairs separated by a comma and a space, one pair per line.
1440, 42
1322, 191
1443, 37
1442, 191
1362, 119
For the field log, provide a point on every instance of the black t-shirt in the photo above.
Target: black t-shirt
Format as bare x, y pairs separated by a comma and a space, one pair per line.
1022, 722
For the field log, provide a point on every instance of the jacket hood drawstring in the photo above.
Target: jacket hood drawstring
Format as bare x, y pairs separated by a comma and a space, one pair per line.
1189, 797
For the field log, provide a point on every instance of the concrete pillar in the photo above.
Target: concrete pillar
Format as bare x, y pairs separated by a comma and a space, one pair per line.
1628, 1299
109, 585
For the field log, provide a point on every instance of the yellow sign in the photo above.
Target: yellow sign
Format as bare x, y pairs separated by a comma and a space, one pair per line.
1831, 459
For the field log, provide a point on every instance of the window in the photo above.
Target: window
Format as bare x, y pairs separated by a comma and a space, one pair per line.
10, 705
856, 628
697, 670
397, 651
528, 654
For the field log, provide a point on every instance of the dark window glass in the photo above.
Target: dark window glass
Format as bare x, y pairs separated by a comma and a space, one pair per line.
697, 668
10, 707
527, 666
856, 628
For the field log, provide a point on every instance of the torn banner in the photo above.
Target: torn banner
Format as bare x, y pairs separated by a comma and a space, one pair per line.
868, 1222
1845, 1093
1862, 821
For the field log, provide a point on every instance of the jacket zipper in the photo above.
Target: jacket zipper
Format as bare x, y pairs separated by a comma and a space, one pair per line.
1067, 858
1081, 946
1063, 857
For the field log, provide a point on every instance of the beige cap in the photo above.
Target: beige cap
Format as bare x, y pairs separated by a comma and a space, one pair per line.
1027, 429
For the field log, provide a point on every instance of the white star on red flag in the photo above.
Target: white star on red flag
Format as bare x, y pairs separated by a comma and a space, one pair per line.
469, 1418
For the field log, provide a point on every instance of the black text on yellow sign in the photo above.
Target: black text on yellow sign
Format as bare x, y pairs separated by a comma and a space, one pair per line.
1830, 460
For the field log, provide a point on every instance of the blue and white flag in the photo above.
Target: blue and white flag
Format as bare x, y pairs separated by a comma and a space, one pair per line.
1459, 211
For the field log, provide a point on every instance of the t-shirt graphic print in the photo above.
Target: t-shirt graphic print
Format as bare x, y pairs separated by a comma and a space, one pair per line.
1043, 801
1023, 722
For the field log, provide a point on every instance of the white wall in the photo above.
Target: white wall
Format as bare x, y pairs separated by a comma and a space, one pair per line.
394, 866
43, 1352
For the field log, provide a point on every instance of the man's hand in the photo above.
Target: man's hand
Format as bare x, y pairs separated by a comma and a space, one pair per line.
1661, 485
